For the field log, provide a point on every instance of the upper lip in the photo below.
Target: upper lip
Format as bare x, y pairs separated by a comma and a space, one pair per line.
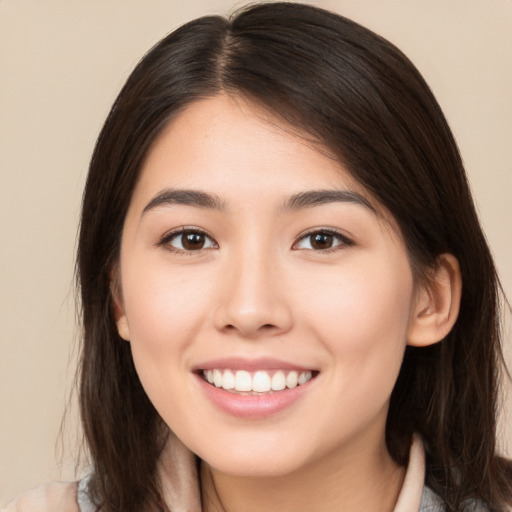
240, 363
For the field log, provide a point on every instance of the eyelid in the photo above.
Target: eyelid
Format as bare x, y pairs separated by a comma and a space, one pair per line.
169, 235
345, 240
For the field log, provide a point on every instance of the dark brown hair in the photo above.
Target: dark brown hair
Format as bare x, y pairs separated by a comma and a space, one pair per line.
363, 99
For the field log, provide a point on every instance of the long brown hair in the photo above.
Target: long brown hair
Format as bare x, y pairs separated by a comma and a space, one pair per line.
364, 100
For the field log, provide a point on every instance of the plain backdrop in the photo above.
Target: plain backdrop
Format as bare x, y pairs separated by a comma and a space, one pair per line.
61, 66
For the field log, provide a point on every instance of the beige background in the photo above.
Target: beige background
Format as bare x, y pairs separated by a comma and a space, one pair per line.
61, 65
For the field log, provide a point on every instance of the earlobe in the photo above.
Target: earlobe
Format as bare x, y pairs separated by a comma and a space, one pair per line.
118, 307
122, 328
437, 304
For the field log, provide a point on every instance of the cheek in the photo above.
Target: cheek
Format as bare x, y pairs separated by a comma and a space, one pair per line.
162, 303
372, 293
165, 311
362, 316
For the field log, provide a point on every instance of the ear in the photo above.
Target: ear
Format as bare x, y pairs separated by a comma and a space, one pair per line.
118, 306
437, 303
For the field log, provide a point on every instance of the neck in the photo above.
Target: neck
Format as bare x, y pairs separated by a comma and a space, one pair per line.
360, 478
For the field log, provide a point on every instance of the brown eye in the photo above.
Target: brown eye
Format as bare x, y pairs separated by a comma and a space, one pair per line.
322, 241
190, 240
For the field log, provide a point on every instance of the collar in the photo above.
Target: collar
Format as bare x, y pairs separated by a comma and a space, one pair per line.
409, 499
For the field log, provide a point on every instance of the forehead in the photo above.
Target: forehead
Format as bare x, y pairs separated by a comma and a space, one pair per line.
229, 143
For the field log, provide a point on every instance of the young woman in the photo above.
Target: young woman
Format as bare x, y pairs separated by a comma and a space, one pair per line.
288, 301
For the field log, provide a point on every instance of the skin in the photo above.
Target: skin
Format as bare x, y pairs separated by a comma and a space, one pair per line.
258, 288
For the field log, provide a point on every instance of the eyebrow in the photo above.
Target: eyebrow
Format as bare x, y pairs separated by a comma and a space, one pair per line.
195, 198
313, 198
299, 201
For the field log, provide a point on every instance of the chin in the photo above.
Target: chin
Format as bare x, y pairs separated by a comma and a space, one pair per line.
254, 467
275, 459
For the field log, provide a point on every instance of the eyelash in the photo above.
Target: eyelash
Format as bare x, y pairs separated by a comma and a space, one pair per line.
343, 240
167, 238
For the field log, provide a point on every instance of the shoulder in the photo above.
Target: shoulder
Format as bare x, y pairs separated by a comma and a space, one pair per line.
431, 502
53, 497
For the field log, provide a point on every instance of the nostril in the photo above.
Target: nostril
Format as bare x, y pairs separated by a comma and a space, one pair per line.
264, 327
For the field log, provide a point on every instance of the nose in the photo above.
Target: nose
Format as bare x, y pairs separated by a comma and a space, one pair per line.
253, 300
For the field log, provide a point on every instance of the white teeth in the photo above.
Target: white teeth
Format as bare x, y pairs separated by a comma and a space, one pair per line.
217, 378
304, 377
261, 382
243, 381
258, 382
278, 381
292, 380
228, 380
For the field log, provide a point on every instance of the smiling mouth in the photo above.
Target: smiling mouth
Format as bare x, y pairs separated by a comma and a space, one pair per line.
257, 382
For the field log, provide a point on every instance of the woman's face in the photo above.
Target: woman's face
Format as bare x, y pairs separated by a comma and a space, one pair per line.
251, 258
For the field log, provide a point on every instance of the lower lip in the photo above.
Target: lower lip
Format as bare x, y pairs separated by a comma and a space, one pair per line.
253, 406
